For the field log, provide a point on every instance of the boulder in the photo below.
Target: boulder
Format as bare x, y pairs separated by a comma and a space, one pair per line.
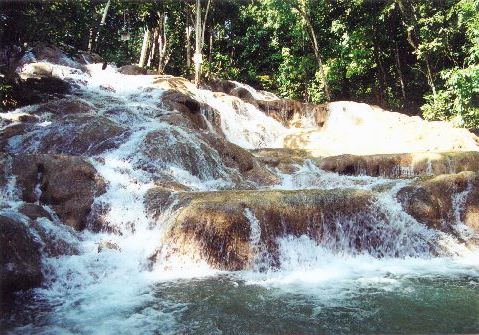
75, 134
132, 70
10, 131
88, 57
186, 106
46, 53
34, 211
46, 85
203, 155
233, 156
243, 94
67, 184
229, 228
221, 85
20, 258
65, 106
445, 202
283, 159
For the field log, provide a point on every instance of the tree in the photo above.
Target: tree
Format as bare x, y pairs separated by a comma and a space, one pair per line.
303, 9
199, 39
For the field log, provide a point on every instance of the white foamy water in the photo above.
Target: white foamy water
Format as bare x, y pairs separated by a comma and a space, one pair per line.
113, 291
308, 268
245, 125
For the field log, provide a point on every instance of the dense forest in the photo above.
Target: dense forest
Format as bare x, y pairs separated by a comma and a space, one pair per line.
416, 56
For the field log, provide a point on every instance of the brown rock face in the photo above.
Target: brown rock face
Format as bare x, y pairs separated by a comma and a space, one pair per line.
186, 106
20, 258
442, 201
67, 184
384, 165
402, 165
132, 70
217, 227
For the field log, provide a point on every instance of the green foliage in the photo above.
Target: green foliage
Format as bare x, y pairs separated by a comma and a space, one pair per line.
458, 101
390, 53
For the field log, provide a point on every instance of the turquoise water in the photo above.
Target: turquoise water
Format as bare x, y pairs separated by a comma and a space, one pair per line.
229, 304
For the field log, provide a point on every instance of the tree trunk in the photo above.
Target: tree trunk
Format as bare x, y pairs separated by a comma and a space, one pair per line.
210, 52
102, 24
163, 58
200, 39
198, 44
317, 54
188, 44
154, 41
91, 38
410, 22
144, 47
401, 77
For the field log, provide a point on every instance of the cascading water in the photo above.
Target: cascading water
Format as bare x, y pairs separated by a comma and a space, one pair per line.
325, 285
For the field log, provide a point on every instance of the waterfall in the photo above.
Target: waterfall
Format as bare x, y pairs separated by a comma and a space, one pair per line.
109, 290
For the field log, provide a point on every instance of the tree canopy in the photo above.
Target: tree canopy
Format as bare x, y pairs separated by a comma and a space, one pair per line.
416, 56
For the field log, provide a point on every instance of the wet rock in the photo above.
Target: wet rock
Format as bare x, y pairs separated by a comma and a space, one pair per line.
402, 165
67, 184
42, 52
132, 70
288, 112
57, 239
108, 245
76, 134
177, 84
217, 227
34, 211
11, 131
445, 201
88, 57
185, 105
65, 106
222, 85
243, 94
175, 147
47, 85
205, 156
385, 165
233, 156
20, 258
283, 159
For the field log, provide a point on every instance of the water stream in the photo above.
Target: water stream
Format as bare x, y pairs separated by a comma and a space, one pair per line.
402, 286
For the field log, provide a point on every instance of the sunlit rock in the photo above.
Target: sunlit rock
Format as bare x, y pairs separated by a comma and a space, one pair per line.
402, 165
107, 245
361, 129
449, 203
217, 226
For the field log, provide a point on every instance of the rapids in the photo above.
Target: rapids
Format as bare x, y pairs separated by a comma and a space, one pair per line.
417, 279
